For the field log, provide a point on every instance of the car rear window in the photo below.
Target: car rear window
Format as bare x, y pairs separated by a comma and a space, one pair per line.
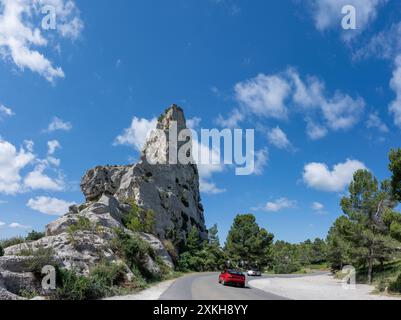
234, 272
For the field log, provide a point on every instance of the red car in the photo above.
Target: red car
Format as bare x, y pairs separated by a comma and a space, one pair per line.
232, 277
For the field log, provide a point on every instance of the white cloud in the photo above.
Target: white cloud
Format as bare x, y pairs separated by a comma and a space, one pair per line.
193, 123
278, 138
374, 121
267, 95
385, 44
20, 33
6, 111
264, 95
320, 177
340, 111
52, 146
137, 133
58, 124
232, 121
12, 161
2, 224
317, 206
206, 171
29, 144
261, 160
395, 84
277, 205
49, 206
315, 131
16, 225
38, 180
327, 13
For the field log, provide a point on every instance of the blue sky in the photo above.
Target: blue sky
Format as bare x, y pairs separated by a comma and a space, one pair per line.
324, 101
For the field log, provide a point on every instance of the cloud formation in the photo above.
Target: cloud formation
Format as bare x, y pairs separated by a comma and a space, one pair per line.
58, 124
49, 206
277, 205
21, 33
278, 138
327, 14
319, 176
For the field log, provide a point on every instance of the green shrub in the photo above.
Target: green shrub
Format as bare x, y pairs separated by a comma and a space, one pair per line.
12, 242
28, 294
133, 250
72, 286
1, 251
395, 286
139, 220
171, 249
39, 258
34, 236
82, 224
108, 274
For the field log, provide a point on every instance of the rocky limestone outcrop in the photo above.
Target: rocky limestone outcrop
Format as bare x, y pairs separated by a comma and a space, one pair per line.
170, 191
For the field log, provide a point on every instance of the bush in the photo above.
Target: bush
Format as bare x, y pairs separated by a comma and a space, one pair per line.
133, 250
171, 249
83, 224
72, 286
108, 274
1, 251
12, 242
39, 258
139, 220
34, 236
395, 286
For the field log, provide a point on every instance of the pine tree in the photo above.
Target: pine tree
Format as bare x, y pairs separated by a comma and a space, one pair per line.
247, 242
365, 207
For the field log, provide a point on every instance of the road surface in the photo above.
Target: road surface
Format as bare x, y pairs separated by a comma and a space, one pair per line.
205, 286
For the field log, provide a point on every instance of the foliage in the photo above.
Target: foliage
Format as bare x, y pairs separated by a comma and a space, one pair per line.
285, 258
102, 281
363, 236
1, 251
28, 294
108, 274
305, 256
12, 242
139, 220
34, 236
39, 258
202, 255
82, 224
395, 168
248, 242
395, 286
72, 286
171, 249
134, 250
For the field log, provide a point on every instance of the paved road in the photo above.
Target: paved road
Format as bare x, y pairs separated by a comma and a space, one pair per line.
205, 286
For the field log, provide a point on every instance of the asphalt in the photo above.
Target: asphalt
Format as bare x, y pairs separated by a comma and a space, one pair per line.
205, 286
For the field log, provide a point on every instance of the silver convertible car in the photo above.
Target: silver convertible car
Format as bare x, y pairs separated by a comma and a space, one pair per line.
254, 273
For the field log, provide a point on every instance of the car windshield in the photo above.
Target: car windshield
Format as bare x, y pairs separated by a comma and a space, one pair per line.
234, 272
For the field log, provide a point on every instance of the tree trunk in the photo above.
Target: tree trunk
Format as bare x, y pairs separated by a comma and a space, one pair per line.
370, 265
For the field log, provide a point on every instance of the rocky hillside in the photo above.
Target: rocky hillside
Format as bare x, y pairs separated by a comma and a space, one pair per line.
84, 236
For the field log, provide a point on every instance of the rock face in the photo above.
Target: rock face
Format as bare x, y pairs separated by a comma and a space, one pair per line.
170, 191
